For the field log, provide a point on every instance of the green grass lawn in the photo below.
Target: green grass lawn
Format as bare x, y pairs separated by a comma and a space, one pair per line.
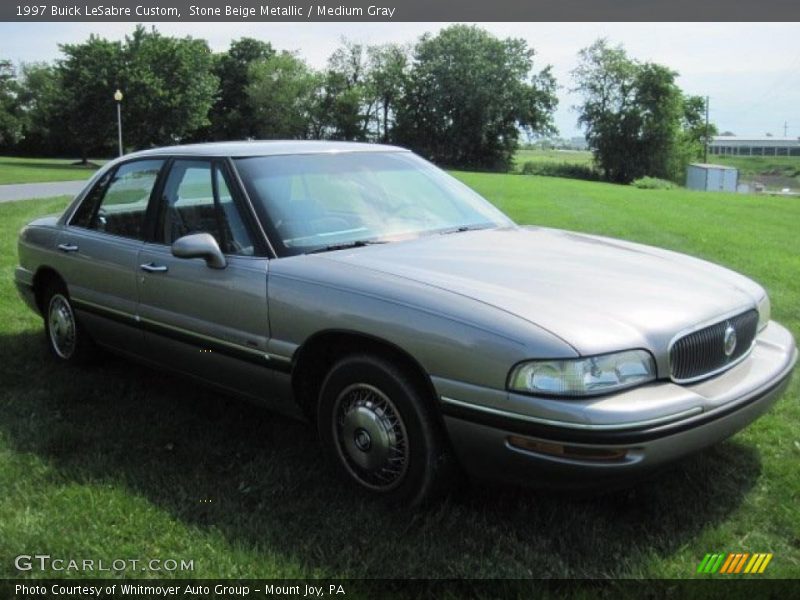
38, 170
117, 461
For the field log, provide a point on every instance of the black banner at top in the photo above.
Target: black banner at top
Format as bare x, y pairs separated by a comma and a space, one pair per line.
144, 11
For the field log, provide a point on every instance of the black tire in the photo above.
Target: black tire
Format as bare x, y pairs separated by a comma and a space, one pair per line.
66, 338
377, 425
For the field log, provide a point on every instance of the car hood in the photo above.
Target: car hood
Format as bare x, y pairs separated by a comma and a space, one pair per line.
597, 294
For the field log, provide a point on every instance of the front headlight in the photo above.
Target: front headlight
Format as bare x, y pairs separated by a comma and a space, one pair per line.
763, 312
584, 376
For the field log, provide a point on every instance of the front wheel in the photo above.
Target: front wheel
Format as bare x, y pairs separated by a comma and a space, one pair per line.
377, 424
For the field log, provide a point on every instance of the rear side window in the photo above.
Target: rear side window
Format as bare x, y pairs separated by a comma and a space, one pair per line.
118, 206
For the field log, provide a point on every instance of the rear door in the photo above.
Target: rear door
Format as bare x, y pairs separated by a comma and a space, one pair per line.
101, 246
206, 322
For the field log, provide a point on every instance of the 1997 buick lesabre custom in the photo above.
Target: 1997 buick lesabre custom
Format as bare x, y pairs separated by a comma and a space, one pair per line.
423, 331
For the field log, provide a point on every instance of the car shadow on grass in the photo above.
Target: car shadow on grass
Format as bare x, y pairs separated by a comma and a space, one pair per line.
219, 464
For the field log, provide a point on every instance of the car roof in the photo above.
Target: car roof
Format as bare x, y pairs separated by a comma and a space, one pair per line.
265, 148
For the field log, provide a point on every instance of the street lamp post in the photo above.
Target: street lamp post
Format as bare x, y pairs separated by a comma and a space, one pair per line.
118, 98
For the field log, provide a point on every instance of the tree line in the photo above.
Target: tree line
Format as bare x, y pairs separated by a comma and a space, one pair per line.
462, 98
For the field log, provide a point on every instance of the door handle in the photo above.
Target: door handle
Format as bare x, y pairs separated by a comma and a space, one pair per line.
68, 247
153, 268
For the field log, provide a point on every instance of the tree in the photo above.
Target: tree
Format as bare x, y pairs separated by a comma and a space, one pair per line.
345, 108
605, 77
658, 102
282, 93
10, 126
470, 95
358, 92
168, 85
43, 130
638, 121
232, 115
89, 73
387, 78
695, 134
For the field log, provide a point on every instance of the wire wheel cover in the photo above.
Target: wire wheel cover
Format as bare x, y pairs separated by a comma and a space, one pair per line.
370, 437
62, 327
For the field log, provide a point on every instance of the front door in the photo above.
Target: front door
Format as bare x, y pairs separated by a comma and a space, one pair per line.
206, 322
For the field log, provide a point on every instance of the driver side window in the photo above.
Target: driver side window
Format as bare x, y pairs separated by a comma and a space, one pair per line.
197, 199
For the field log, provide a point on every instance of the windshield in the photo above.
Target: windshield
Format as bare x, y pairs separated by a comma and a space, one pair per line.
310, 202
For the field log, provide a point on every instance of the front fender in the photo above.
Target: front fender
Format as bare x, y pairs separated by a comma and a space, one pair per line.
451, 336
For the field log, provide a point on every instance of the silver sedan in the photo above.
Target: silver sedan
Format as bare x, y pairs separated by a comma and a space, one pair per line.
421, 330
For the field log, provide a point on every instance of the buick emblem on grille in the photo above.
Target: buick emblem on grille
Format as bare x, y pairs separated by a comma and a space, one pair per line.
729, 341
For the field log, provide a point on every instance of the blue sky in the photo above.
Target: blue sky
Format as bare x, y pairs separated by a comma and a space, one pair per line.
751, 71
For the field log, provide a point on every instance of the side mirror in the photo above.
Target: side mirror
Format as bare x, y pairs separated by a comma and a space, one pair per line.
200, 245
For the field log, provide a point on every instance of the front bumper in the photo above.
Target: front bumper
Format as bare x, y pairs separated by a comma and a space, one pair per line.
593, 442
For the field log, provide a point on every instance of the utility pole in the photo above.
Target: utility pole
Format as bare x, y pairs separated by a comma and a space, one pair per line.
705, 149
785, 128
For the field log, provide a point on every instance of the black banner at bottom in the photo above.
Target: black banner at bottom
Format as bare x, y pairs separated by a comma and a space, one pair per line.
308, 589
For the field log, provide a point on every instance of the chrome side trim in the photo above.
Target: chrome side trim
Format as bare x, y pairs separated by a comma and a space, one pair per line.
207, 338
192, 334
80, 303
571, 425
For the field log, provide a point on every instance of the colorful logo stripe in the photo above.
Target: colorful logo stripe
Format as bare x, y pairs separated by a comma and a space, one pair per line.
735, 562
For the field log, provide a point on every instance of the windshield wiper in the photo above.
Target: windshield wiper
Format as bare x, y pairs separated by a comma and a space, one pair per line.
345, 245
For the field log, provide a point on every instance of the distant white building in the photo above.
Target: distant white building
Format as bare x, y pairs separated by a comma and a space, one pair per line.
734, 145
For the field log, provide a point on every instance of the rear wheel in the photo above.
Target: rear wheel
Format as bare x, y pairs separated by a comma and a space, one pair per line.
377, 424
66, 339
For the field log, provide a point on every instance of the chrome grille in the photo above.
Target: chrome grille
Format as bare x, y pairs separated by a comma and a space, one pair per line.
702, 353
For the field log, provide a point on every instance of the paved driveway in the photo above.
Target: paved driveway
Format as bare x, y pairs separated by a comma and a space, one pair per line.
21, 191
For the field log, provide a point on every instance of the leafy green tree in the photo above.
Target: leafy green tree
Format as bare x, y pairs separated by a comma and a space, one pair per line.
89, 73
168, 85
10, 126
232, 116
695, 133
345, 108
469, 97
638, 122
282, 94
358, 92
340, 108
39, 101
386, 79
658, 102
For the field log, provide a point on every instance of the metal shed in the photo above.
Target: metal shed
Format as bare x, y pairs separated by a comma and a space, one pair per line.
711, 178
